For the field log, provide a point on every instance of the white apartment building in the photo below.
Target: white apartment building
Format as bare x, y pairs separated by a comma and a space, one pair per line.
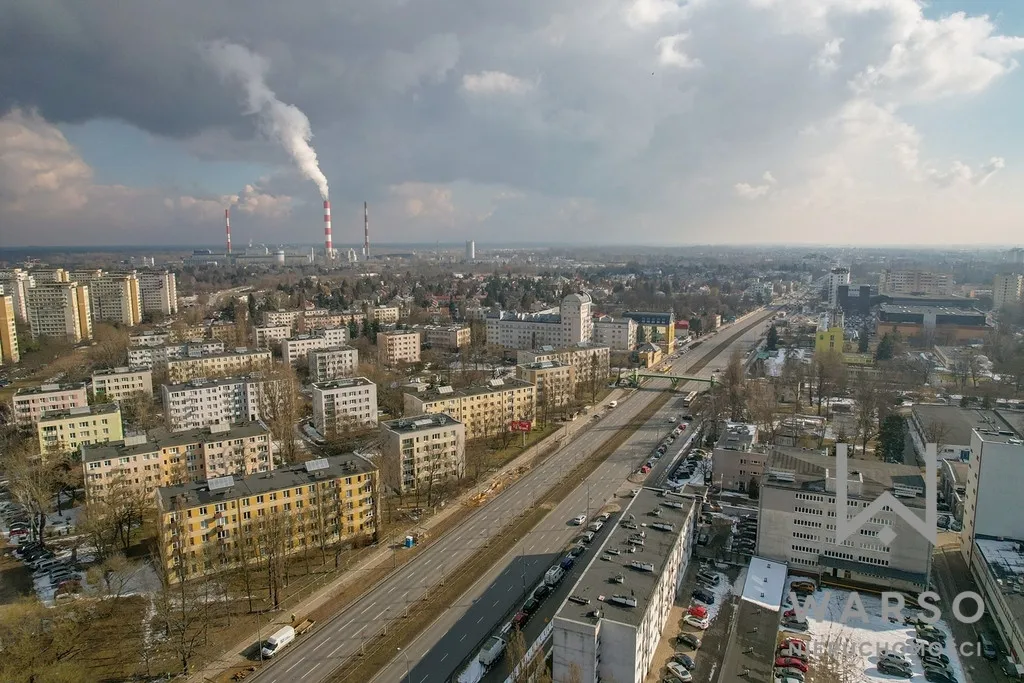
915, 282
48, 275
162, 458
485, 410
270, 336
797, 515
343, 404
445, 337
994, 473
16, 283
422, 451
149, 338
60, 310
200, 403
156, 357
31, 404
159, 290
615, 334
332, 363
1007, 289
113, 297
836, 277
238, 362
294, 349
398, 346
114, 384
614, 635
9, 350
590, 363
571, 323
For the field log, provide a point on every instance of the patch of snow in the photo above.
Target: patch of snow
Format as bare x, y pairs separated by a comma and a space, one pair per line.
721, 592
473, 673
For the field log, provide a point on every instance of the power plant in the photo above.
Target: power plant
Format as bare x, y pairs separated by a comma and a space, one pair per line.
328, 243
366, 231
227, 226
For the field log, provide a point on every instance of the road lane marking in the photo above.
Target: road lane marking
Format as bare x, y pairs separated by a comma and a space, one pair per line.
322, 643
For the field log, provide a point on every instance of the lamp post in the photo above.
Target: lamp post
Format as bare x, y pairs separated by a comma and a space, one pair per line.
259, 634
408, 667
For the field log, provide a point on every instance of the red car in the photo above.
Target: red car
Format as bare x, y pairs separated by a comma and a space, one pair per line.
789, 613
520, 619
790, 663
698, 611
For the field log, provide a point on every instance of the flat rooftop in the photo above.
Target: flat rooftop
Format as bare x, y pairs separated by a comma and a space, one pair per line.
495, 385
924, 310
162, 438
203, 383
97, 409
334, 349
345, 383
737, 436
959, 422
543, 365
800, 470
225, 354
418, 423
395, 333
596, 582
121, 371
199, 493
1005, 561
49, 389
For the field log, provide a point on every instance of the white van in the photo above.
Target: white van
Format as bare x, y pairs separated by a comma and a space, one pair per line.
278, 641
612, 404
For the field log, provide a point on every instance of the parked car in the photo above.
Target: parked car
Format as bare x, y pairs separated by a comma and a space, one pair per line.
935, 676
688, 639
679, 672
685, 660
696, 622
791, 663
578, 520
892, 668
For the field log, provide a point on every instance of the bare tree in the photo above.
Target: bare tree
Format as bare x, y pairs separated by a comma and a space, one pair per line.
831, 375
866, 397
936, 432
282, 408
734, 379
763, 405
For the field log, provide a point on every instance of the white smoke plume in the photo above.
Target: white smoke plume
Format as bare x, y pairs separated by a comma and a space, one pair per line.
284, 122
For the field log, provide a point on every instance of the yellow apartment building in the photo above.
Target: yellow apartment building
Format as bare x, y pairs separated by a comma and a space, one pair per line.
484, 410
555, 382
67, 431
9, 352
398, 346
219, 524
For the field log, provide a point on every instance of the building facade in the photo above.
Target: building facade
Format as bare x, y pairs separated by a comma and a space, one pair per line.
797, 515
332, 363
385, 315
343, 404
156, 357
422, 451
33, 403
9, 351
836, 277
148, 462
239, 362
114, 298
571, 323
270, 336
945, 324
115, 384
555, 383
737, 460
915, 282
484, 410
200, 403
1007, 290
222, 523
66, 431
445, 337
398, 346
615, 334
60, 310
297, 348
159, 291
993, 475
590, 364
16, 283
655, 327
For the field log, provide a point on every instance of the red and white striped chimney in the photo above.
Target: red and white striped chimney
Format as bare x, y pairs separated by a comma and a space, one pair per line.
328, 245
227, 226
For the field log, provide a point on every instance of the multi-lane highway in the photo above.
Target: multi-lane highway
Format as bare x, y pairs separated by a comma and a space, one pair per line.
316, 657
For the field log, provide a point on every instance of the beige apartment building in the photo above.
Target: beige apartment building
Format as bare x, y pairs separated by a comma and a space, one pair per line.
112, 297
590, 363
422, 451
445, 337
159, 291
270, 336
221, 523
48, 275
295, 349
32, 403
555, 382
484, 410
1007, 290
398, 346
156, 357
385, 315
163, 458
342, 404
65, 432
60, 310
239, 362
115, 384
9, 352
16, 283
618, 334
915, 282
332, 363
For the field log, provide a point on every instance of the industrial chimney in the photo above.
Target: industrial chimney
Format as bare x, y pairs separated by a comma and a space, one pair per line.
227, 226
366, 231
328, 245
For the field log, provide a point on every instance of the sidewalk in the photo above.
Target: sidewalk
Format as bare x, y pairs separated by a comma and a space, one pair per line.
383, 555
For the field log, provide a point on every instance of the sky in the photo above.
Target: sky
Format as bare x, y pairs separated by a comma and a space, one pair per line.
650, 122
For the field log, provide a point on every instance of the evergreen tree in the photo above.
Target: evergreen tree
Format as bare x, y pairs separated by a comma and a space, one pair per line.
863, 340
772, 341
886, 348
892, 437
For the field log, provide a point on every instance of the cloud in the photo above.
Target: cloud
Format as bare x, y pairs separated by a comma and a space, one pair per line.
419, 104
494, 82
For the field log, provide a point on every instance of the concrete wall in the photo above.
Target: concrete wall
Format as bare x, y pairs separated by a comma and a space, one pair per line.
993, 488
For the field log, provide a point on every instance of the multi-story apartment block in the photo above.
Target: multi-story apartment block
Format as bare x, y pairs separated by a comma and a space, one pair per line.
156, 357
555, 382
398, 346
60, 310
995, 469
385, 314
66, 431
226, 331
590, 364
149, 338
200, 403
613, 633
332, 363
422, 451
171, 459
16, 284
295, 349
113, 297
484, 410
915, 282
270, 336
445, 337
1007, 290
9, 352
33, 403
159, 290
571, 323
219, 524
796, 522
655, 327
616, 334
344, 404
239, 362
114, 384
49, 275
737, 460
836, 277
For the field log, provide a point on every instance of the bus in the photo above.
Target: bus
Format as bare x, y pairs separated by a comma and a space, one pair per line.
688, 399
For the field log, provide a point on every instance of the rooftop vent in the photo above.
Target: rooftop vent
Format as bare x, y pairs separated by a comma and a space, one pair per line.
445, 390
642, 566
317, 465
220, 483
496, 382
661, 526
622, 601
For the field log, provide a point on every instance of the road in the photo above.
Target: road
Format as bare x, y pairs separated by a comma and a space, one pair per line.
314, 658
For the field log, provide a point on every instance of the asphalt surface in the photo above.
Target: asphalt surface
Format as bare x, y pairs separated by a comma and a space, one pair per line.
314, 658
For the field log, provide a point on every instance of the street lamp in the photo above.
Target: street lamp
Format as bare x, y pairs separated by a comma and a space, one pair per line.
408, 668
259, 635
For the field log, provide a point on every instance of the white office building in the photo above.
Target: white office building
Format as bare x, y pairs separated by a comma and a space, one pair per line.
570, 323
16, 283
332, 363
994, 473
201, 403
344, 404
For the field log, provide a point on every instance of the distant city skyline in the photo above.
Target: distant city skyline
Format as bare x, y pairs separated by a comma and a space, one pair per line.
687, 123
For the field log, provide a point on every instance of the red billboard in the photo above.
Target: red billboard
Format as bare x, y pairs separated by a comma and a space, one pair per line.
520, 425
